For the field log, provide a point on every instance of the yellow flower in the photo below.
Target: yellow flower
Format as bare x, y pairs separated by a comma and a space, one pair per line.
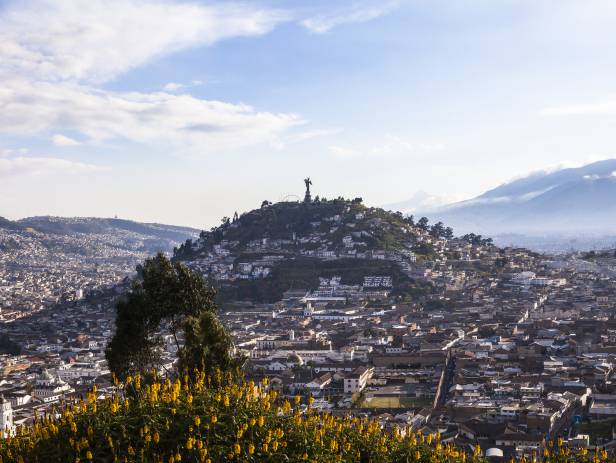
89, 455
156, 437
251, 448
197, 420
214, 419
261, 421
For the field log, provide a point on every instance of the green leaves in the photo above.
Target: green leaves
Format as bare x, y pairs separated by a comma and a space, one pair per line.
168, 296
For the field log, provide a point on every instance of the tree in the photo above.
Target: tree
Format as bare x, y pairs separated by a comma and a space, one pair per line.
448, 233
207, 344
167, 295
423, 223
437, 230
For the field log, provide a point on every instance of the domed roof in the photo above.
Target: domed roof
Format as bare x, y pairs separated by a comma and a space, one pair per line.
494, 452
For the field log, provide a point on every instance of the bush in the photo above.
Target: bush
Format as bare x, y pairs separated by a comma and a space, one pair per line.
212, 419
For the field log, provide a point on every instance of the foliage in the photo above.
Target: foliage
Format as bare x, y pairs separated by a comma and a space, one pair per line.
213, 419
167, 295
304, 273
8, 346
476, 240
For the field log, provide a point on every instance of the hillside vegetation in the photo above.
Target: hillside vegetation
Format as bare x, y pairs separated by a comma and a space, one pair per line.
290, 221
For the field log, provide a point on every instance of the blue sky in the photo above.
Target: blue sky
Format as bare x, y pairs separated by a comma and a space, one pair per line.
183, 112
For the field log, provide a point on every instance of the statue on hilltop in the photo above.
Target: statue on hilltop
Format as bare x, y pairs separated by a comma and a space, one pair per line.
307, 197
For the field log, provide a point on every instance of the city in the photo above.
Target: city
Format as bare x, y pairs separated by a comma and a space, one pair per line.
503, 347
348, 231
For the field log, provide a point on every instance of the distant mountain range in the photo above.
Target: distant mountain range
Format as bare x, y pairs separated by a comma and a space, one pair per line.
568, 202
147, 237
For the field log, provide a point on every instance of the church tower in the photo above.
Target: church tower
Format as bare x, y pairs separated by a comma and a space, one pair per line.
6, 417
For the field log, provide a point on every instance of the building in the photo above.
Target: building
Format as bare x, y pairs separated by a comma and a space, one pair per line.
6, 417
48, 388
357, 380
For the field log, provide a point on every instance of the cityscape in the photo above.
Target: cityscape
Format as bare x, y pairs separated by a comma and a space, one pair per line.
355, 231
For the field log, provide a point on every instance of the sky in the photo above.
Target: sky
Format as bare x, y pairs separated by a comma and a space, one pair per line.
183, 112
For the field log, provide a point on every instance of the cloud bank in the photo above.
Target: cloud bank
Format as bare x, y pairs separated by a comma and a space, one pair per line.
53, 75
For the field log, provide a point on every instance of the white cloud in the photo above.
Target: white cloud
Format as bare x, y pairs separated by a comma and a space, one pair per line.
11, 151
99, 115
392, 147
62, 140
358, 12
342, 152
97, 40
173, 87
396, 146
310, 134
51, 74
43, 165
606, 107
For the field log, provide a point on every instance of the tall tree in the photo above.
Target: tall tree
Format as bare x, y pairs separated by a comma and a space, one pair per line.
168, 296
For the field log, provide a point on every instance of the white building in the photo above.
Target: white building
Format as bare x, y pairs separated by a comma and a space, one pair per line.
48, 388
357, 380
6, 417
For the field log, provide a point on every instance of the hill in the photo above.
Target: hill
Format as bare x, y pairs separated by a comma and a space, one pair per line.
122, 234
166, 235
61, 259
288, 245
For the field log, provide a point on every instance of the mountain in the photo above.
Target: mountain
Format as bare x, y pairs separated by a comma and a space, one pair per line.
420, 201
567, 202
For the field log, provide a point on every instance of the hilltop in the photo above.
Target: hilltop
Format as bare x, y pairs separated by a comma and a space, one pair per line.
260, 254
